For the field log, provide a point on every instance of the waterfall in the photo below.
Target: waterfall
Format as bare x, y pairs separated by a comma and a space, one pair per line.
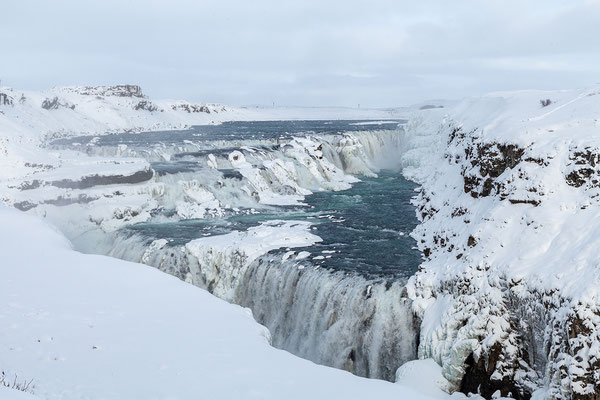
340, 319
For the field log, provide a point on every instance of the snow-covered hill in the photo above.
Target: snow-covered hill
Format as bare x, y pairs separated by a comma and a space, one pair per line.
510, 227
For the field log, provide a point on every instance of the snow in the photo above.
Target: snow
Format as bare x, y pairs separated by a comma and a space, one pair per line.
423, 375
93, 327
223, 259
13, 394
511, 260
524, 250
259, 240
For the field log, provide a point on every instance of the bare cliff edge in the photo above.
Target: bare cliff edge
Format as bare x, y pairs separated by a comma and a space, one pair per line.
509, 293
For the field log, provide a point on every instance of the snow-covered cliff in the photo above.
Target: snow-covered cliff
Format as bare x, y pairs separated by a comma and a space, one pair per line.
509, 293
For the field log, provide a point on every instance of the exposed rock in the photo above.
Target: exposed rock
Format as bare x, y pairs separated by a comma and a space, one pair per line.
146, 106
479, 377
5, 100
54, 104
116, 90
191, 108
96, 180
488, 162
584, 168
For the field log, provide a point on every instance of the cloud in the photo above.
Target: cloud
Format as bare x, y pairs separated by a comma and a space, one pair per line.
378, 52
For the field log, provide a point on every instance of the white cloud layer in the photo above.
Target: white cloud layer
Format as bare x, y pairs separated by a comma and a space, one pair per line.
376, 53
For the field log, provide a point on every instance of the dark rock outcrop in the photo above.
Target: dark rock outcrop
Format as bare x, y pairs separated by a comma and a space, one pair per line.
191, 108
5, 100
97, 180
55, 103
489, 161
584, 168
115, 90
146, 106
479, 378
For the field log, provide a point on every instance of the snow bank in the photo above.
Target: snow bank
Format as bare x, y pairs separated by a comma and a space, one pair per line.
423, 375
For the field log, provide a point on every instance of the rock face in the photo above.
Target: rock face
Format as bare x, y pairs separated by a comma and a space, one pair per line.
146, 106
584, 168
5, 100
115, 90
191, 108
55, 103
509, 291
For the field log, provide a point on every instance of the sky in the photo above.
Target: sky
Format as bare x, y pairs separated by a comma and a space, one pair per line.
376, 53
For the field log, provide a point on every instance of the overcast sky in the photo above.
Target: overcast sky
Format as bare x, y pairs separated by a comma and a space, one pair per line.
376, 53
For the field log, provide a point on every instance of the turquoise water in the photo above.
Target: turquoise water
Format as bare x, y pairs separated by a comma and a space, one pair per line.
365, 229
367, 226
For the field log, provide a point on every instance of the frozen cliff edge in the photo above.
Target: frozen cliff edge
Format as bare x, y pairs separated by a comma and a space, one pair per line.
509, 293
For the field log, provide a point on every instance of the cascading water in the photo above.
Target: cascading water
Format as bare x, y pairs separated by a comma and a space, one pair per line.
336, 319
330, 287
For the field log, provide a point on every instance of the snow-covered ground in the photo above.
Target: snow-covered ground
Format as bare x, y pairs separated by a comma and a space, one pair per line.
93, 327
